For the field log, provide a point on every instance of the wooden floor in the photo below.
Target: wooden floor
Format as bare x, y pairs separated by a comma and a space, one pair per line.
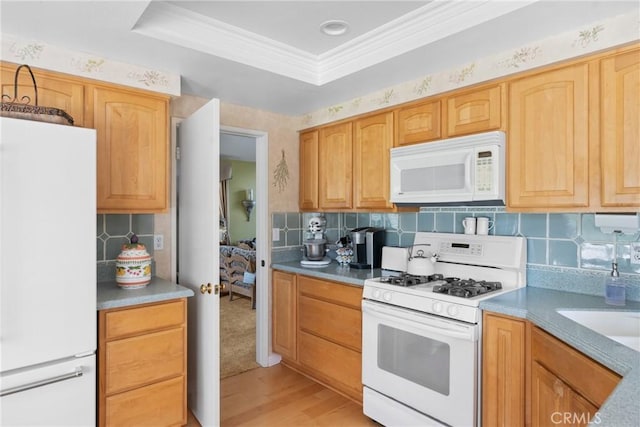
278, 396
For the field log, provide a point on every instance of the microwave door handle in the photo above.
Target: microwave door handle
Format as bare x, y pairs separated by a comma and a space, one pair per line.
424, 325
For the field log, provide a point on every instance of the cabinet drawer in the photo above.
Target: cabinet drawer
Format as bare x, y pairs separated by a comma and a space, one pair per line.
136, 361
338, 366
330, 291
342, 325
587, 377
148, 318
161, 404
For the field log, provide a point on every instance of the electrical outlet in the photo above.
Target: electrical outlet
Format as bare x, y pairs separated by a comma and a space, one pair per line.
158, 242
635, 253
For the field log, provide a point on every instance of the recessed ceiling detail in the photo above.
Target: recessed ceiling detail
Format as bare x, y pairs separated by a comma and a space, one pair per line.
334, 27
434, 21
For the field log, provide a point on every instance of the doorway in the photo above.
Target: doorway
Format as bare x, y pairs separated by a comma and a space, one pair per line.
264, 357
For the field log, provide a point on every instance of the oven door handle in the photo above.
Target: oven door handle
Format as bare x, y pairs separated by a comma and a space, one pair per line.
424, 322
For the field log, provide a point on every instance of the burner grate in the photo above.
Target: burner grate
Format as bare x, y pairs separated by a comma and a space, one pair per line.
467, 288
405, 279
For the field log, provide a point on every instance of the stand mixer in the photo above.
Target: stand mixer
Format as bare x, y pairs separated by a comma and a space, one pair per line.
315, 243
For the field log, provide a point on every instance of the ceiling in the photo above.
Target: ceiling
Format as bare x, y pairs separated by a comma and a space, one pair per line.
271, 55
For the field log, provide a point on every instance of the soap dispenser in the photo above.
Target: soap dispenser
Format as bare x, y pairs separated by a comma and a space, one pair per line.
614, 289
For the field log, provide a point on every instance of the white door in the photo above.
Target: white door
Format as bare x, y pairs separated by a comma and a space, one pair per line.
198, 255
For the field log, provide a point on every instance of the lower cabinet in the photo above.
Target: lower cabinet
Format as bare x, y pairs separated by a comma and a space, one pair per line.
532, 378
142, 365
326, 321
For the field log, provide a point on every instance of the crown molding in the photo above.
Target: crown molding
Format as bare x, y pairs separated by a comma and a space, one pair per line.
432, 22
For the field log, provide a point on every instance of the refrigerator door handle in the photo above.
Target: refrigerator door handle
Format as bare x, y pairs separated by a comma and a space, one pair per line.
75, 374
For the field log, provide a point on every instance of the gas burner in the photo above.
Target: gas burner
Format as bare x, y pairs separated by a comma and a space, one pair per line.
405, 279
466, 288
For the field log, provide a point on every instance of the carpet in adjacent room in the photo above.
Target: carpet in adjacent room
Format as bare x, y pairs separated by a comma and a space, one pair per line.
237, 336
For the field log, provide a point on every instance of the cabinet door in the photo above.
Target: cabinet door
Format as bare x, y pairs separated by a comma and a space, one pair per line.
309, 170
133, 150
419, 123
372, 142
549, 140
284, 314
548, 397
477, 111
53, 91
620, 130
335, 166
503, 371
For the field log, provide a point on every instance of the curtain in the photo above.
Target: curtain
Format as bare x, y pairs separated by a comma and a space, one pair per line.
224, 212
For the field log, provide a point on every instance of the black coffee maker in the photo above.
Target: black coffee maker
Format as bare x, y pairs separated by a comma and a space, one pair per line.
367, 247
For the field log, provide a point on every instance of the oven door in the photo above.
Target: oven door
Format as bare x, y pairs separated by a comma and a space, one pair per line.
423, 361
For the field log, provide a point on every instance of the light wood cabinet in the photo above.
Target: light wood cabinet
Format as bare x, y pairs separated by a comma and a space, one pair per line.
142, 365
335, 166
478, 110
419, 123
133, 150
317, 327
532, 378
309, 170
548, 155
503, 370
373, 138
620, 130
53, 90
284, 312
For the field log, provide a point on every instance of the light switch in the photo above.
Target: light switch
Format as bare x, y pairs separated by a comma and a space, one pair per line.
275, 234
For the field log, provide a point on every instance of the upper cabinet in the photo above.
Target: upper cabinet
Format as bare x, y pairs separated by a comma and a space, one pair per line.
131, 125
548, 141
373, 138
335, 166
620, 130
53, 91
479, 110
419, 123
133, 153
309, 170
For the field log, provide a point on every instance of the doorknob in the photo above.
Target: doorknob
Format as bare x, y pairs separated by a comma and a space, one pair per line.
208, 288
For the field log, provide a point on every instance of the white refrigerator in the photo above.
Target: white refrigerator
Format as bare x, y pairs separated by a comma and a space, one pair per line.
47, 274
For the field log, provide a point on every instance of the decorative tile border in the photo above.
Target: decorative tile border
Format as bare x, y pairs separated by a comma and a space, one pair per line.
41, 54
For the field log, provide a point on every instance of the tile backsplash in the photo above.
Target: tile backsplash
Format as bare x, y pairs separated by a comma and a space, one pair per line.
564, 247
113, 230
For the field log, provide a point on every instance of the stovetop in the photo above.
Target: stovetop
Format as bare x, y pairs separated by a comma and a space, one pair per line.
469, 269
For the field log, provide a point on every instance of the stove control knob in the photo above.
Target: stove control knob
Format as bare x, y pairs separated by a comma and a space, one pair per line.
437, 307
386, 296
452, 310
376, 294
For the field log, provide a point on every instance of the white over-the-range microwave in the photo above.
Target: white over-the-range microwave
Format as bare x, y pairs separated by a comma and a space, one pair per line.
467, 170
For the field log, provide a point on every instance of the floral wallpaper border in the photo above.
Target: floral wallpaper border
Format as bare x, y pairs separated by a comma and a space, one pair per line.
40, 54
597, 36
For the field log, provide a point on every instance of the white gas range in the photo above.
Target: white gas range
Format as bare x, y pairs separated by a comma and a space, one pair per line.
421, 334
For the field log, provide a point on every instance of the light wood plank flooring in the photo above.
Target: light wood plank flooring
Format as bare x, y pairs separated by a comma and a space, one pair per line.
279, 396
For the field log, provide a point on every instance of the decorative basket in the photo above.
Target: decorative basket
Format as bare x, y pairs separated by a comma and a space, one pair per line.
20, 108
133, 266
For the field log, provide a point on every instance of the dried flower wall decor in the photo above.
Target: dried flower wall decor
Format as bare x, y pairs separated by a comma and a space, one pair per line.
281, 174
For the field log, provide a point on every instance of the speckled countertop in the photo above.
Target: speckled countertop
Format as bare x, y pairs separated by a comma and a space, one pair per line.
540, 306
333, 271
110, 295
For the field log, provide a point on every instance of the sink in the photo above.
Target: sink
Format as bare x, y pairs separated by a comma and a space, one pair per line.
620, 326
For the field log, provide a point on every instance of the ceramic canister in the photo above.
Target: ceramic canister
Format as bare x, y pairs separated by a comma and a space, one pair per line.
133, 266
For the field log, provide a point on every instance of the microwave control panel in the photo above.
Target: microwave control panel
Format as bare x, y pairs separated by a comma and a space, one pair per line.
484, 171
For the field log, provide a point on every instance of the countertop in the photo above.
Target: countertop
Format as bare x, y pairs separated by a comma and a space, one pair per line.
110, 295
539, 306
333, 271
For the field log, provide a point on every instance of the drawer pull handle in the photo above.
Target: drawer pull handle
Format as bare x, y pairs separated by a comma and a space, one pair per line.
75, 374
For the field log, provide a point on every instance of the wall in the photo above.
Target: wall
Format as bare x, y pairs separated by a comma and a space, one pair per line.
564, 251
244, 177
